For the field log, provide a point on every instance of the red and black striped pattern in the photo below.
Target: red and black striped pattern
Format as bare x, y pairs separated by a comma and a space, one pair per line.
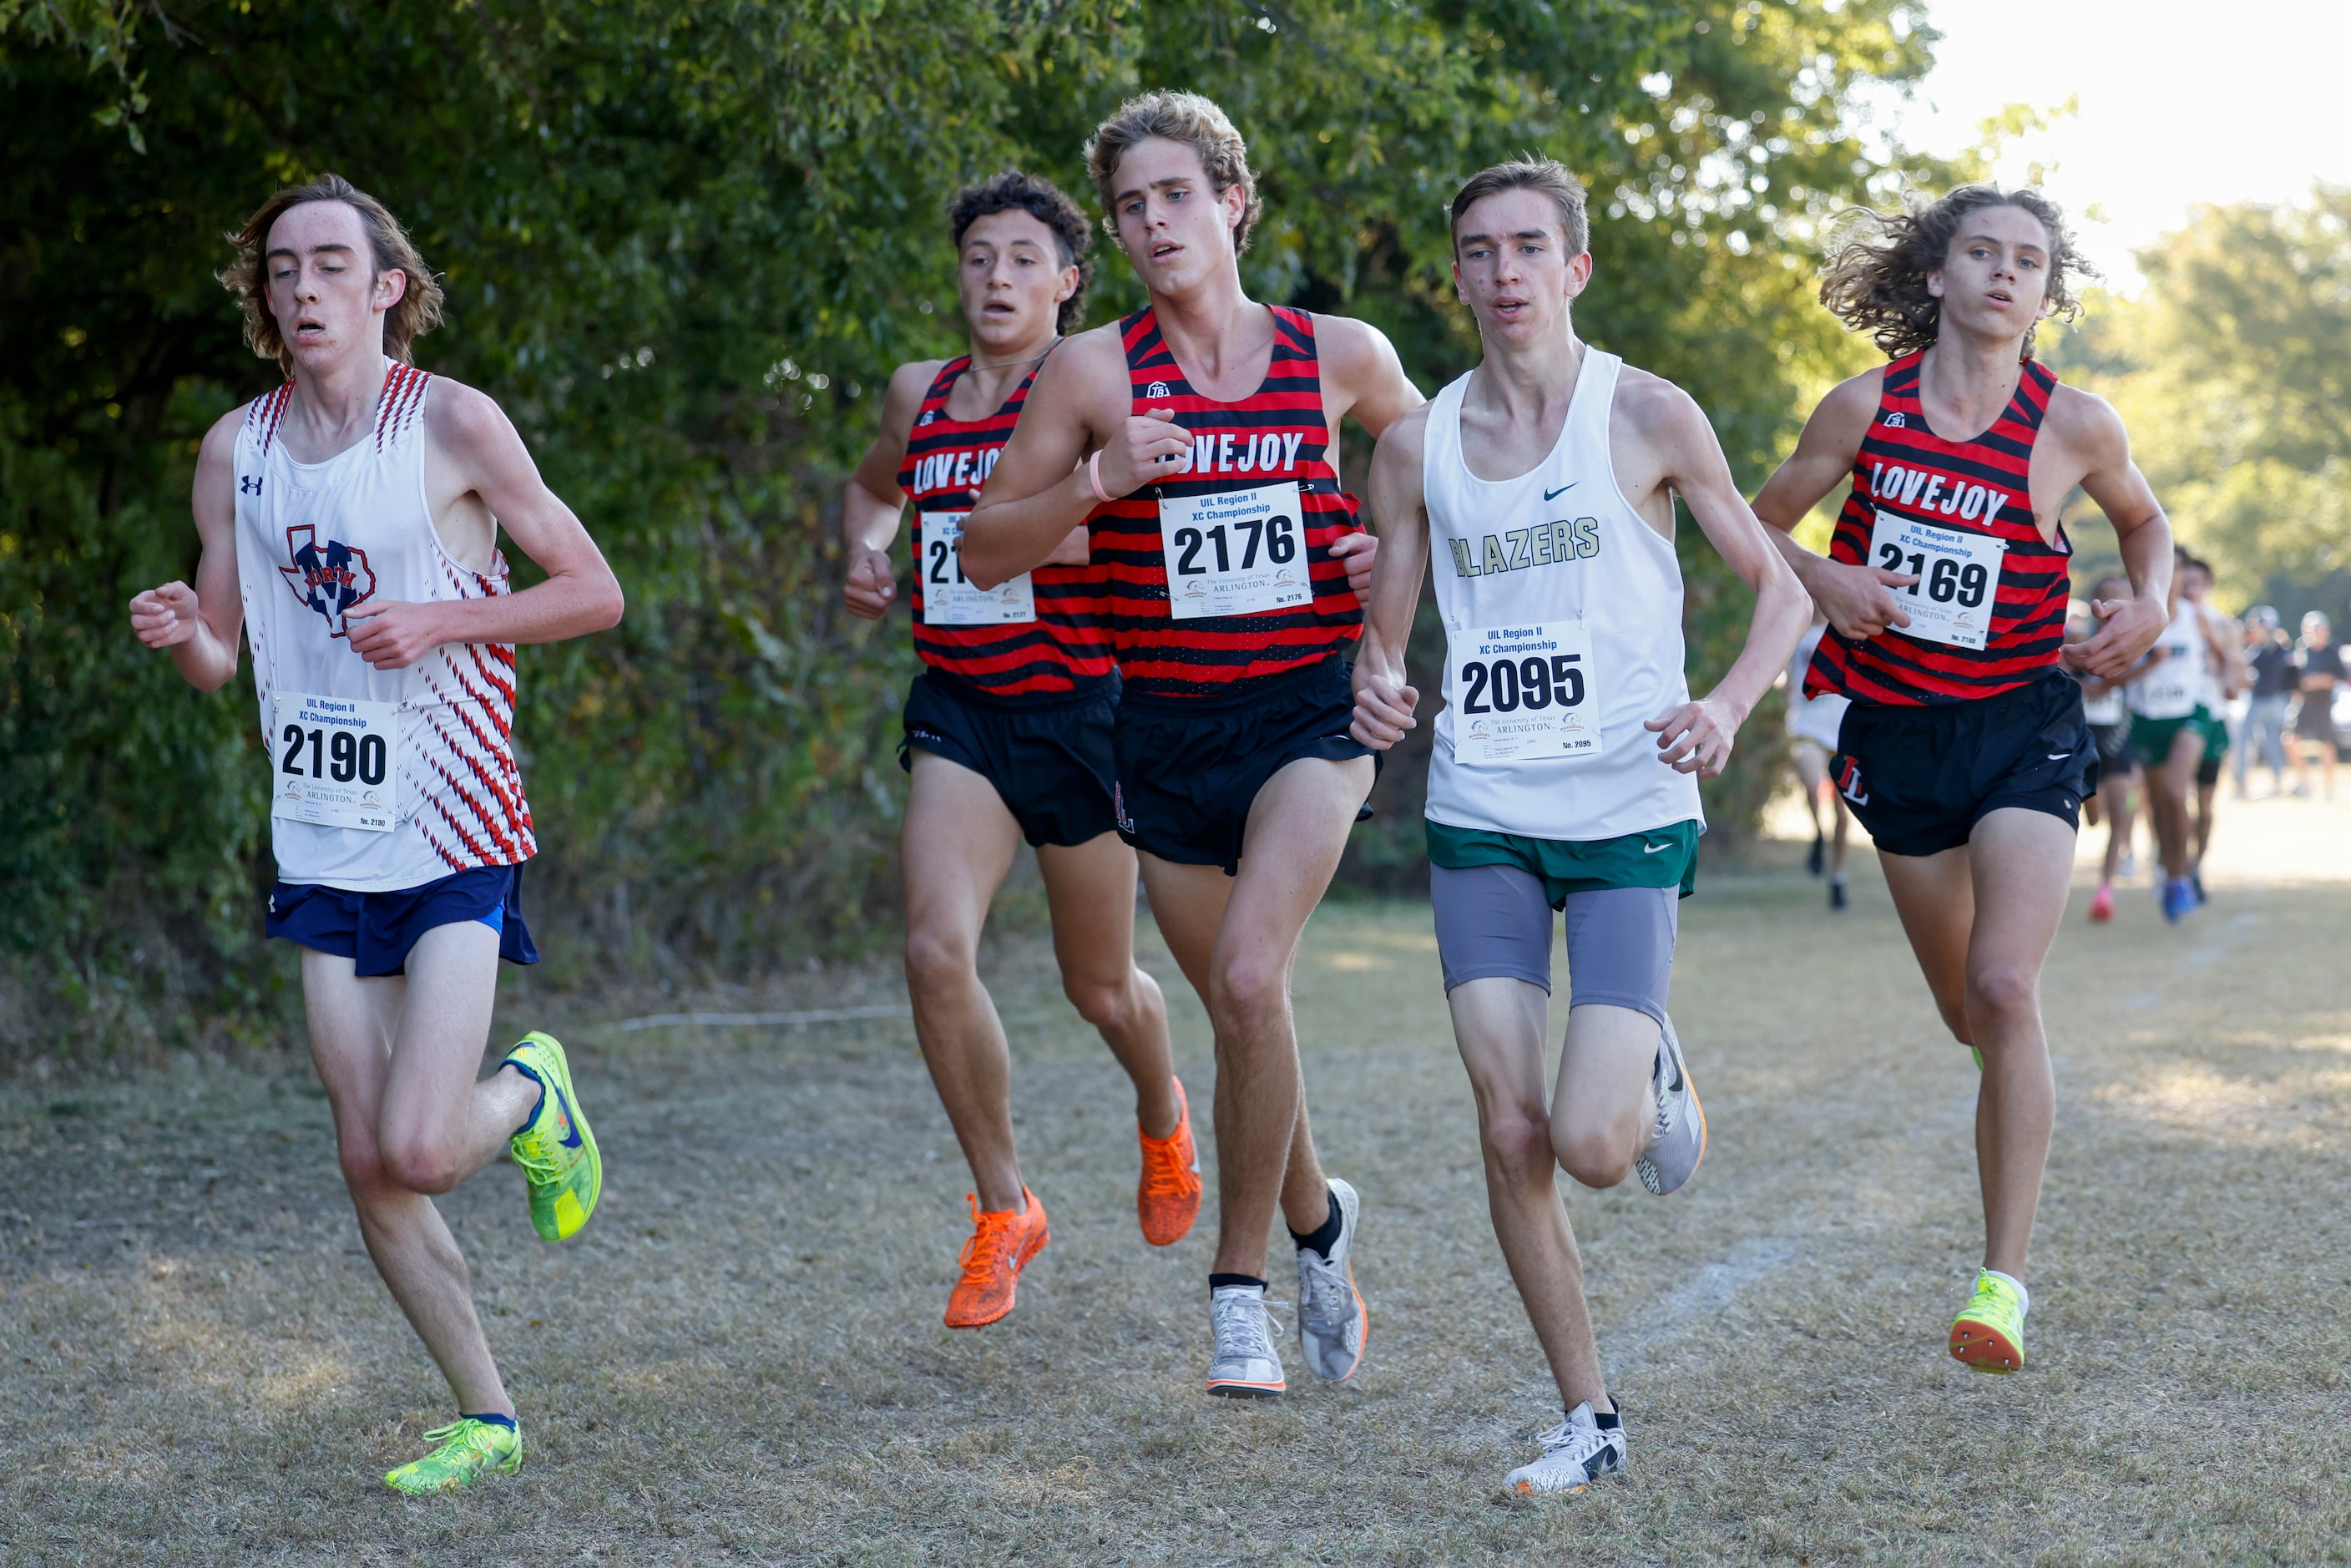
1066, 646
400, 404
1278, 432
262, 414
1982, 485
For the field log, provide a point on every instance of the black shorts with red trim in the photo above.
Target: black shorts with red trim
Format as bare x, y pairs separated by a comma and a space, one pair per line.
1189, 769
1049, 756
1920, 779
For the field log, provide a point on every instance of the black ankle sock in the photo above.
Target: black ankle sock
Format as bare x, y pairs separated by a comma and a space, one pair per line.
1324, 1239
1609, 1420
1218, 1281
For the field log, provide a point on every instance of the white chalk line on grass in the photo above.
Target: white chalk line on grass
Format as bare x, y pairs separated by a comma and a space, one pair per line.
2227, 939
763, 1020
1705, 1294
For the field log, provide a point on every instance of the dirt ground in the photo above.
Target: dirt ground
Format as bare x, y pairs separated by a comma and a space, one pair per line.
741, 1360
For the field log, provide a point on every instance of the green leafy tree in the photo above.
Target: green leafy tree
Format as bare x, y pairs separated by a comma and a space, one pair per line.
683, 244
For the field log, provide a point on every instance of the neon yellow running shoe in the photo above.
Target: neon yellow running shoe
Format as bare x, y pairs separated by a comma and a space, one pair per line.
555, 1148
1989, 1335
469, 1448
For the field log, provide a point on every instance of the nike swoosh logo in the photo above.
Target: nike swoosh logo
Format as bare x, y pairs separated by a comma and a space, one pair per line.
2059, 756
1563, 490
1648, 849
570, 1139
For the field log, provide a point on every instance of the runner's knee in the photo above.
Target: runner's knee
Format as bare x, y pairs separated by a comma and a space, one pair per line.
1249, 989
1595, 1157
938, 958
421, 1164
1518, 1144
2005, 992
1105, 1004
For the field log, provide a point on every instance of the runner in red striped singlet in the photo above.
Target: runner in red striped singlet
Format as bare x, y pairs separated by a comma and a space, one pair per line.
1007, 736
1201, 431
348, 523
1965, 753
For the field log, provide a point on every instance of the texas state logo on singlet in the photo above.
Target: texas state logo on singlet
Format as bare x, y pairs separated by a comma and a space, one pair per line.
380, 779
1987, 612
1038, 635
1224, 574
1562, 612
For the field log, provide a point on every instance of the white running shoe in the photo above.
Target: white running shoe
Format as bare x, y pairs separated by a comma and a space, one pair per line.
1678, 1141
1576, 1452
1247, 1366
1331, 1322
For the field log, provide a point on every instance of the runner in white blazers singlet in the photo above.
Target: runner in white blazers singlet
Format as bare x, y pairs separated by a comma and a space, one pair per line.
1568, 750
350, 521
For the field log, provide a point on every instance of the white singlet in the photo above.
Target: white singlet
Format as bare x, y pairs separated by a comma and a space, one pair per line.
1563, 624
1816, 719
2173, 686
381, 780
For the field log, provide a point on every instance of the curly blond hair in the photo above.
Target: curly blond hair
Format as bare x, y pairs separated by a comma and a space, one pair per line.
415, 313
1881, 289
1185, 117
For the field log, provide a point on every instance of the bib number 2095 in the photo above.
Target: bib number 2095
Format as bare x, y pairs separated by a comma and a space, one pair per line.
1522, 692
333, 762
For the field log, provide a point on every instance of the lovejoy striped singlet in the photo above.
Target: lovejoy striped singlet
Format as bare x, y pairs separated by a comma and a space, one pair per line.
1058, 644
1275, 439
1988, 614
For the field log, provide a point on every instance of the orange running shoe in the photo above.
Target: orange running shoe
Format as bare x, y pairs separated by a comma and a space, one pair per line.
1001, 1245
1168, 1200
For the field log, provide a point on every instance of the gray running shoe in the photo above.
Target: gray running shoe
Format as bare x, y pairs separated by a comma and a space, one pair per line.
1678, 1141
1331, 1322
1246, 1365
1576, 1453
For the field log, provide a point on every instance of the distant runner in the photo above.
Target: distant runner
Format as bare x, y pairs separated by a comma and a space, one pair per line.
2108, 714
1007, 736
2269, 659
1965, 754
1812, 740
2319, 669
2225, 679
2167, 708
350, 524
1568, 750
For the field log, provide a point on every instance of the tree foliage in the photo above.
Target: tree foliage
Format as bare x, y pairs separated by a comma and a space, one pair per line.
2233, 370
684, 245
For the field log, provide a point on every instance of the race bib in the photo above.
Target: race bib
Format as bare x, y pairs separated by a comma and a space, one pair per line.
2167, 690
334, 762
1521, 692
1237, 553
2103, 710
948, 597
1957, 573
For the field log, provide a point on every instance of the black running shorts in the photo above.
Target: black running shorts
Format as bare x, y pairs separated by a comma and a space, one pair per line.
1048, 757
1921, 778
2116, 757
1189, 770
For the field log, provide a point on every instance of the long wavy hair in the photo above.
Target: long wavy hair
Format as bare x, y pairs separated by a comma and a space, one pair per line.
415, 313
1880, 287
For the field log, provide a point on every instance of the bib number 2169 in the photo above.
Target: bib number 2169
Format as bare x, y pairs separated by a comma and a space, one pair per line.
1957, 573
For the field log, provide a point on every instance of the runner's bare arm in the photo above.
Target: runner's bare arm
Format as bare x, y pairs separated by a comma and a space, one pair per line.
1039, 489
1362, 376
1383, 703
475, 452
872, 505
200, 625
1676, 452
1857, 600
2094, 435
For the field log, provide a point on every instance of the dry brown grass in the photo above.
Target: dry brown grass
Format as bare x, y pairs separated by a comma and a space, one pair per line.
742, 1361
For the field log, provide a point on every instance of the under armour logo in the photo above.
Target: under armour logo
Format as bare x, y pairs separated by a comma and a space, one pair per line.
1897, 422
928, 415
248, 483
1156, 389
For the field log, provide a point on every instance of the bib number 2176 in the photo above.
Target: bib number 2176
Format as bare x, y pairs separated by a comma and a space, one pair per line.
1237, 553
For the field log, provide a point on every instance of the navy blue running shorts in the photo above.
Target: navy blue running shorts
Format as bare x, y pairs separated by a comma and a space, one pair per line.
1049, 756
1921, 778
376, 930
1189, 770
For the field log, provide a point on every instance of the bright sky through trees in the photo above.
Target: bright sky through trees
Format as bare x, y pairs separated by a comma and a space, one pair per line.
2181, 102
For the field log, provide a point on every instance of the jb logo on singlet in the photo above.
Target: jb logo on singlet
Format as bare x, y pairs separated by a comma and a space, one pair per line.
333, 578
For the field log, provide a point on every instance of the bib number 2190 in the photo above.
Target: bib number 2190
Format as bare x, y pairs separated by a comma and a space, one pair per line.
333, 758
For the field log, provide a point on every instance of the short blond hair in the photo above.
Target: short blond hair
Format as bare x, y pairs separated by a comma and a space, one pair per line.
1185, 117
415, 313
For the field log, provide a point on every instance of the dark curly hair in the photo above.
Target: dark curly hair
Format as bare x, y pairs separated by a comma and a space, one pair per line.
1881, 289
1013, 191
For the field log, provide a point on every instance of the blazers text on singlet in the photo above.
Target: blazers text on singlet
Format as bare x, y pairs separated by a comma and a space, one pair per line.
1036, 635
1224, 575
1987, 612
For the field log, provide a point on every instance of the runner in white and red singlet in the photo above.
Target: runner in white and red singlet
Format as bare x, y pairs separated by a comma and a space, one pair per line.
1213, 501
349, 522
1965, 753
1007, 736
